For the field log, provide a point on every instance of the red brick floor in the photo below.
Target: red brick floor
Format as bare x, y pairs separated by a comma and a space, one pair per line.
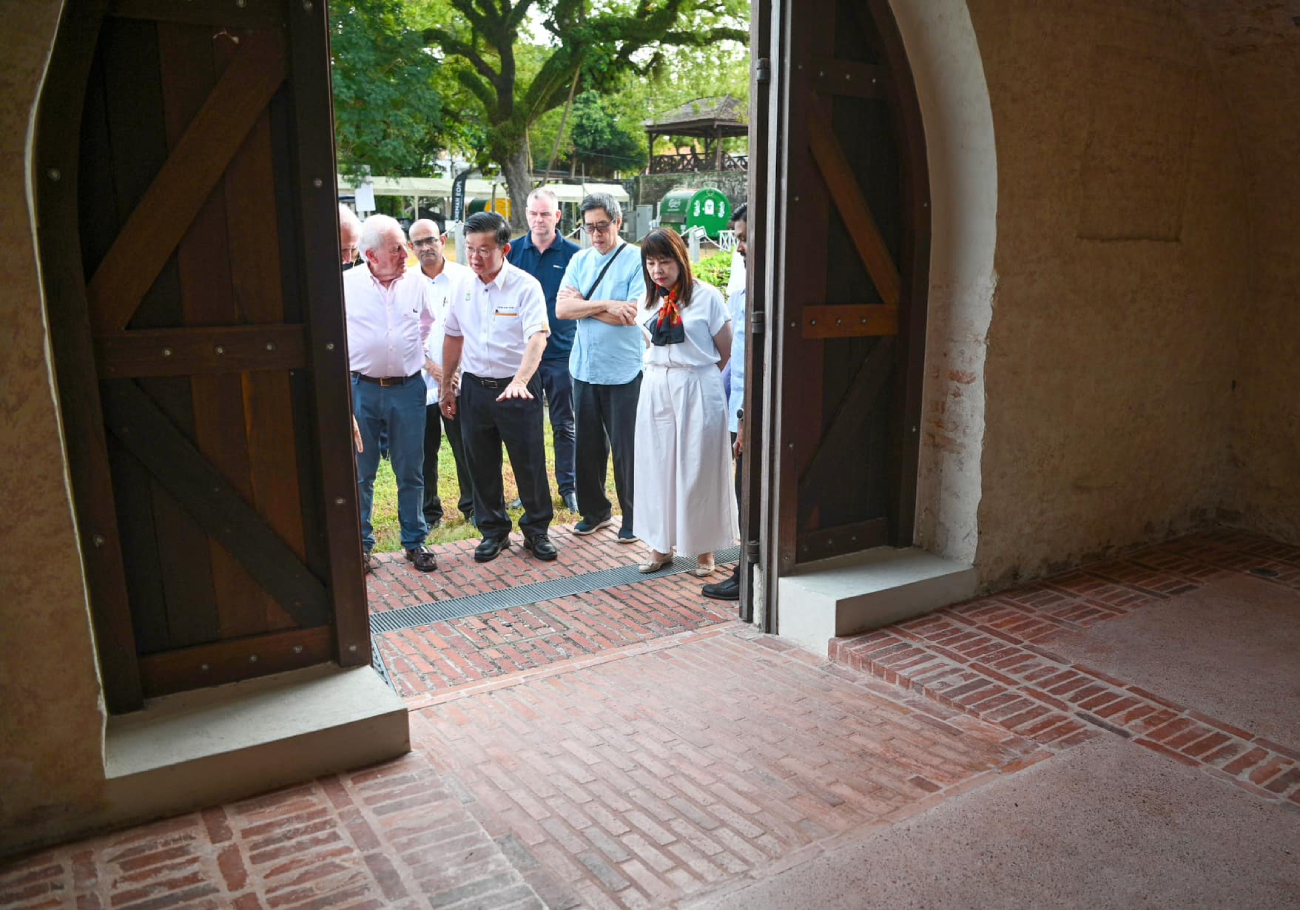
645, 768
991, 658
432, 658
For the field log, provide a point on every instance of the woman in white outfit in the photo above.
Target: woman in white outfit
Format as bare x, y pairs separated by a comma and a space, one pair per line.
682, 497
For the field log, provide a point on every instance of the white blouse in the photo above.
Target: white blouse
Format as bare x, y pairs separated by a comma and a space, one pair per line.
702, 319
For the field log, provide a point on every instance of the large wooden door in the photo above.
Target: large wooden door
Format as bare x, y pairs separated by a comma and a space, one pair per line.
188, 235
844, 253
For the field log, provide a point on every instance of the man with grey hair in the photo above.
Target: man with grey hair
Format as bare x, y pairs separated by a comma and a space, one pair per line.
389, 317
544, 253
601, 289
349, 236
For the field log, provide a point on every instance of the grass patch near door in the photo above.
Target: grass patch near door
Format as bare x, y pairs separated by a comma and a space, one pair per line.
388, 535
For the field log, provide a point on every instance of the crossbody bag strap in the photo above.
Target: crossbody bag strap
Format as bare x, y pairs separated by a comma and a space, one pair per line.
601, 277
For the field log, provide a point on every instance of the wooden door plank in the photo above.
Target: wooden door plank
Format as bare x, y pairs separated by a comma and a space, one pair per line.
847, 195
850, 78
191, 67
256, 266
57, 155
871, 378
231, 661
321, 284
914, 260
199, 351
182, 186
214, 13
850, 321
826, 542
211, 500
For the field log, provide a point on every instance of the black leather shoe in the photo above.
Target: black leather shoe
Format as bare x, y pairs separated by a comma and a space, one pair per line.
723, 590
422, 558
542, 547
571, 502
490, 548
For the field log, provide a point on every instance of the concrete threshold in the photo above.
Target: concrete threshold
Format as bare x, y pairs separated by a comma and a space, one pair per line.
211, 746
860, 591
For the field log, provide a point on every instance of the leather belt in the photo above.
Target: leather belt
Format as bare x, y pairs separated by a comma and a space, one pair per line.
489, 383
387, 380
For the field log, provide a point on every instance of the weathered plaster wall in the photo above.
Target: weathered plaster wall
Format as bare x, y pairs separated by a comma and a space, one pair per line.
1121, 266
51, 718
1263, 82
944, 56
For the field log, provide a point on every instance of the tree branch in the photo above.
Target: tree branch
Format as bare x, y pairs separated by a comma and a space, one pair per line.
452, 45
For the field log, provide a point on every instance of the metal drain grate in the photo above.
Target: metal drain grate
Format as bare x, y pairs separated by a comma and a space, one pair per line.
377, 662
524, 595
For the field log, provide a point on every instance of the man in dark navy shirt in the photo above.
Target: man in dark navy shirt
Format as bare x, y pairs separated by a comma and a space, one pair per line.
544, 254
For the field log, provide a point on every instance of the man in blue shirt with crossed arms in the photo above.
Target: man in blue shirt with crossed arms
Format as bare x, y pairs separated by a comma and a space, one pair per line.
602, 289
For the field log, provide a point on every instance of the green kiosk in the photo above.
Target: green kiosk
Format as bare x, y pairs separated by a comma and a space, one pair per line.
683, 209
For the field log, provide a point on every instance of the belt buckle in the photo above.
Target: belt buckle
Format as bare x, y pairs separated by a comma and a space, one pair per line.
386, 381
490, 383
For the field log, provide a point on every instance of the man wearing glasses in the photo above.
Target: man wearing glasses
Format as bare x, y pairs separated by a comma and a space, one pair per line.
389, 317
601, 289
495, 335
447, 281
545, 254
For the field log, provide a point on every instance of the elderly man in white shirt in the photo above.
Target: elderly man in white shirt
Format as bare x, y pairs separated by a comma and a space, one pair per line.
389, 317
447, 281
495, 335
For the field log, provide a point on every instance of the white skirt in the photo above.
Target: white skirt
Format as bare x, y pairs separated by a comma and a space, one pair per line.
684, 495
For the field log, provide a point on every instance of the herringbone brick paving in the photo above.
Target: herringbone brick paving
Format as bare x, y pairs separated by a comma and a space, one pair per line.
636, 775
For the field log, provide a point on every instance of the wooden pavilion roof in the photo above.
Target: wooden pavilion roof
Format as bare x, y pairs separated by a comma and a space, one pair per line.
722, 115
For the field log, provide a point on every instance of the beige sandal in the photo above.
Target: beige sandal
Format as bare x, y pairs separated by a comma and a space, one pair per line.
705, 569
654, 565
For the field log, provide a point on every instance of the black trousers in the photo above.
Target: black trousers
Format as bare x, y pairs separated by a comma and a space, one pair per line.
485, 424
606, 421
433, 430
740, 519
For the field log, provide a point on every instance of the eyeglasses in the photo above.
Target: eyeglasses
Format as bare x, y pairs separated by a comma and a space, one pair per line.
597, 228
424, 241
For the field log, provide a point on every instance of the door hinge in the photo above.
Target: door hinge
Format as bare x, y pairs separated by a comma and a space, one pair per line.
751, 550
763, 70
756, 322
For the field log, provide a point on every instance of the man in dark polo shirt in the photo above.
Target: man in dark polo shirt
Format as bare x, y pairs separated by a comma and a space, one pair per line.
544, 254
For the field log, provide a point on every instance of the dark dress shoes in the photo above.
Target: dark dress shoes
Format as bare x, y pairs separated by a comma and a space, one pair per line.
490, 548
723, 590
541, 546
422, 558
571, 502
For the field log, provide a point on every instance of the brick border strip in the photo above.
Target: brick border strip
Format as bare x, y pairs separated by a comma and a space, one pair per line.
1031, 691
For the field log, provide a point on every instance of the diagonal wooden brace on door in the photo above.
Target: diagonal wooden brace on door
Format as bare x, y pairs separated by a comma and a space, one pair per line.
871, 378
133, 418
168, 207
848, 199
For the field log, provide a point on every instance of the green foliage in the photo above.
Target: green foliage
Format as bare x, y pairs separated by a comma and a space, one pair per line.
715, 269
387, 110
603, 138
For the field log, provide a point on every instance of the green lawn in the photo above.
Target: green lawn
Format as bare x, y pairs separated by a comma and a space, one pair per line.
388, 536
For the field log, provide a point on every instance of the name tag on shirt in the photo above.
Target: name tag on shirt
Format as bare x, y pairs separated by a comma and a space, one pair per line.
508, 308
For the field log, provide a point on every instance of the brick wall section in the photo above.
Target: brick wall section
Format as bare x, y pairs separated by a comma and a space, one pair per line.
986, 659
658, 774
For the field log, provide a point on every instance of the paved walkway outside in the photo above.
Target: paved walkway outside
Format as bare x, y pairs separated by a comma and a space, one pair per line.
1010, 751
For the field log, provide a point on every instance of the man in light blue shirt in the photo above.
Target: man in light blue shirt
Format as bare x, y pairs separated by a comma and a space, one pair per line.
602, 289
730, 589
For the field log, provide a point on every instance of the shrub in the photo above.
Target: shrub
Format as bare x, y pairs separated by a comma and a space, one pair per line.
715, 269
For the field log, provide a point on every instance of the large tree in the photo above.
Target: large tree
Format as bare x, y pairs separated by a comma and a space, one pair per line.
387, 109
519, 59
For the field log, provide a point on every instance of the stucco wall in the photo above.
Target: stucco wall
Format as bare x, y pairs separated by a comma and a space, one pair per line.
1121, 267
1264, 84
51, 718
